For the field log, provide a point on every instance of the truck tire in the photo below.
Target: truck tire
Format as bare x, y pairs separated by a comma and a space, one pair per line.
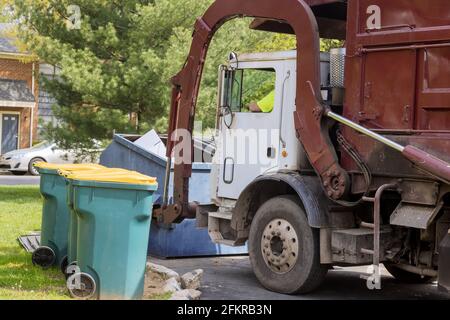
284, 250
405, 276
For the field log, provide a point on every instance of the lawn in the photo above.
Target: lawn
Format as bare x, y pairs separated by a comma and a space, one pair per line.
20, 213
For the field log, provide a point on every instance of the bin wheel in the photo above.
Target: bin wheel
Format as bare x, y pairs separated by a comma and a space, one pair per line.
70, 270
81, 286
64, 264
44, 257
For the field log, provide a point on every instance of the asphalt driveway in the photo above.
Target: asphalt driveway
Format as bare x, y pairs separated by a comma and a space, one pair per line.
231, 278
11, 180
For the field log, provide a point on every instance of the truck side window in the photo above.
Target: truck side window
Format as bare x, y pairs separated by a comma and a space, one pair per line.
258, 90
250, 90
235, 95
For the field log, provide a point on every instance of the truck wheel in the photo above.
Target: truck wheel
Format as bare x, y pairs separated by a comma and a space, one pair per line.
405, 276
284, 250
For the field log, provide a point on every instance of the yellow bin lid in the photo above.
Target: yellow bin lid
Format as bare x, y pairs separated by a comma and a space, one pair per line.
102, 171
68, 166
111, 175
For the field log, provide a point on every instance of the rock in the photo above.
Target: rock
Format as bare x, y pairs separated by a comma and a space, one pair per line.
186, 294
171, 285
175, 296
165, 272
191, 280
194, 294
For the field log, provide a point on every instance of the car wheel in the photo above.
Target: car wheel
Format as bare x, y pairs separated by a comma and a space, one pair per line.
31, 168
284, 249
19, 173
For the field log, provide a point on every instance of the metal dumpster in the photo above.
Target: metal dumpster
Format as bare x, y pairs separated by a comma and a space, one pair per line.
178, 240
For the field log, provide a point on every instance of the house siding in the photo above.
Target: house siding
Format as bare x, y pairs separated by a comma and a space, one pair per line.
46, 101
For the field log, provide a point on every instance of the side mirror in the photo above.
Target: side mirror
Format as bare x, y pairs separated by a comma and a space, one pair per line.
222, 86
230, 88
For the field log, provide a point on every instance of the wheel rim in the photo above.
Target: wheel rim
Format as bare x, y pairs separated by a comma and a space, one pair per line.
82, 288
44, 257
279, 246
34, 170
71, 269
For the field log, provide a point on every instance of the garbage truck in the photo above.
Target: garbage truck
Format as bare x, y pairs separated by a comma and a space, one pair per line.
352, 146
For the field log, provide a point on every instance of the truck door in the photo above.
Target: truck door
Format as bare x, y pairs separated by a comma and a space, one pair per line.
249, 141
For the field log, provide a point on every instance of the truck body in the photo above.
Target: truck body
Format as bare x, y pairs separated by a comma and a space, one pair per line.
351, 165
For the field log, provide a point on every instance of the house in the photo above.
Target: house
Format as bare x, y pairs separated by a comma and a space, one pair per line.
19, 92
45, 100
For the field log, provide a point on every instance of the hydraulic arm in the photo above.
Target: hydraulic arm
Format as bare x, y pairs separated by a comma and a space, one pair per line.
308, 116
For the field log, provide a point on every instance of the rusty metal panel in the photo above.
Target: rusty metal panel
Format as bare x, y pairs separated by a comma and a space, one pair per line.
346, 245
405, 14
420, 192
411, 102
414, 215
389, 95
433, 97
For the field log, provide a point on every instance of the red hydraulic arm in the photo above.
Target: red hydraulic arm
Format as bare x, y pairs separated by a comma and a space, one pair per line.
310, 109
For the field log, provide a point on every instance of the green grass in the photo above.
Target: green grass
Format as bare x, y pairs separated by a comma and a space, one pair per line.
20, 213
162, 296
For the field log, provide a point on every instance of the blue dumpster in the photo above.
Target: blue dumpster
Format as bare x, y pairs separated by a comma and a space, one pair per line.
177, 240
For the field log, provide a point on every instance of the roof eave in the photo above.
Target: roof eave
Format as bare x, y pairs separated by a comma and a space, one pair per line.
15, 55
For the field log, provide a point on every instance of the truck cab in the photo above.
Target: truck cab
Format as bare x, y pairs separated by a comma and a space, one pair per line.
254, 143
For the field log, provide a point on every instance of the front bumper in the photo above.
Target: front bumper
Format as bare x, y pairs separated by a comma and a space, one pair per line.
17, 165
444, 264
5, 163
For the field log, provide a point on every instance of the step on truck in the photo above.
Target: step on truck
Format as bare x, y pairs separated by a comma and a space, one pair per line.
348, 162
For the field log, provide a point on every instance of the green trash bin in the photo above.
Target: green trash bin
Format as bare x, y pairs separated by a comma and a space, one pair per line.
55, 214
114, 216
73, 230
73, 219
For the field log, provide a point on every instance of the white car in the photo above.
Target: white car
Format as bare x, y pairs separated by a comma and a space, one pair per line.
20, 162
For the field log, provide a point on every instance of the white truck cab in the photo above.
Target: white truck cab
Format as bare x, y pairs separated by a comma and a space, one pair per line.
250, 144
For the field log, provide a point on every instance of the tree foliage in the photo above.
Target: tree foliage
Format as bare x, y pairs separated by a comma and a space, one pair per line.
121, 58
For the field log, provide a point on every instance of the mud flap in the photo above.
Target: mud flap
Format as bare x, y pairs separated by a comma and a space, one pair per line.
444, 264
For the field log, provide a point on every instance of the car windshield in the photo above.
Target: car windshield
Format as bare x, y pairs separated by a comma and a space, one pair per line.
40, 145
